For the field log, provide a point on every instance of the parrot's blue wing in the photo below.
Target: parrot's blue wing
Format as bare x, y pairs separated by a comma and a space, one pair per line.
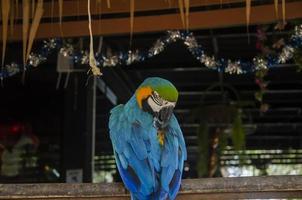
132, 146
173, 156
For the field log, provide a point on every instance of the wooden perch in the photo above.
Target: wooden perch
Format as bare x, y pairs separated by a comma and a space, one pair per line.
207, 188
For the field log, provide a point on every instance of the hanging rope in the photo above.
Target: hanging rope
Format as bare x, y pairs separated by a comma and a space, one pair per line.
276, 8
283, 12
5, 15
248, 18
248, 12
25, 27
52, 14
131, 19
187, 9
33, 5
12, 17
34, 27
17, 8
181, 12
60, 15
92, 62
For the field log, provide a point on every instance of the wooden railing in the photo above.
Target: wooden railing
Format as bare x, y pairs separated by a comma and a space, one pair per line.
192, 189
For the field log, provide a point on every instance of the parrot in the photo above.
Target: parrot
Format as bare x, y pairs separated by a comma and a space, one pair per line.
148, 144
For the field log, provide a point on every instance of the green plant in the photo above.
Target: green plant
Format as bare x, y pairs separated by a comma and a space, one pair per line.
213, 141
262, 83
203, 150
238, 134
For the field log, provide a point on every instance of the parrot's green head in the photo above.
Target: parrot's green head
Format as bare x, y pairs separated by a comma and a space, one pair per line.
158, 97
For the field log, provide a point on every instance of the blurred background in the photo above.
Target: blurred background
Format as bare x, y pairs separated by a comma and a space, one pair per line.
54, 126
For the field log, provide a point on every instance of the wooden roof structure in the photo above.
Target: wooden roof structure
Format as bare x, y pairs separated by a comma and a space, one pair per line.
149, 16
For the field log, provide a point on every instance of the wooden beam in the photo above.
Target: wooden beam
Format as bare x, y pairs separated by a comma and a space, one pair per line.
194, 189
198, 20
79, 8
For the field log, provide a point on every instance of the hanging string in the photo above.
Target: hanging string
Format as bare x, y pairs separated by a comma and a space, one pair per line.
187, 9
34, 27
52, 14
283, 12
248, 17
33, 5
78, 9
17, 8
92, 62
131, 20
276, 9
60, 15
12, 17
5, 15
232, 66
248, 12
181, 12
25, 27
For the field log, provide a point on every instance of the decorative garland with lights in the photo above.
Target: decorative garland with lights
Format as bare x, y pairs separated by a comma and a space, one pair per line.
126, 58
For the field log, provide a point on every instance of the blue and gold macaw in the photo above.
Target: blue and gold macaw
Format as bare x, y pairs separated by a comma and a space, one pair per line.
148, 144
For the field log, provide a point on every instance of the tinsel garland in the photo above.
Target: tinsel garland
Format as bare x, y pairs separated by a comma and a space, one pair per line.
229, 66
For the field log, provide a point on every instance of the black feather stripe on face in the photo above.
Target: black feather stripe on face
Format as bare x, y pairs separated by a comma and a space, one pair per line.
146, 107
156, 98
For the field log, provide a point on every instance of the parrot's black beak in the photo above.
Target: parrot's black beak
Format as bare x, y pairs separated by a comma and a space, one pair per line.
161, 112
162, 118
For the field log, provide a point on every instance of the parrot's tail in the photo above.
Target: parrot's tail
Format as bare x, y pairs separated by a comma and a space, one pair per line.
139, 196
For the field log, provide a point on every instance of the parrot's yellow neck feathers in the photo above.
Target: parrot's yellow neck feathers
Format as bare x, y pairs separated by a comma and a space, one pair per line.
142, 93
161, 137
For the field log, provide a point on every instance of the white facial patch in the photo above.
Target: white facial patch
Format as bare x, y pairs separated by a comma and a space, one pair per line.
157, 103
154, 106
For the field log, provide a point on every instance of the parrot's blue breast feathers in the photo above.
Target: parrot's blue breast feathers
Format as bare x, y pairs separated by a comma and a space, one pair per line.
148, 170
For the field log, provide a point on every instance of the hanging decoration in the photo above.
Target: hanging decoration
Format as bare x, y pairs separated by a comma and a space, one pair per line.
92, 62
261, 72
181, 12
10, 12
25, 27
283, 12
108, 3
298, 52
184, 11
187, 11
131, 19
5, 4
17, 8
60, 11
12, 17
129, 57
33, 5
34, 27
276, 46
248, 12
276, 4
